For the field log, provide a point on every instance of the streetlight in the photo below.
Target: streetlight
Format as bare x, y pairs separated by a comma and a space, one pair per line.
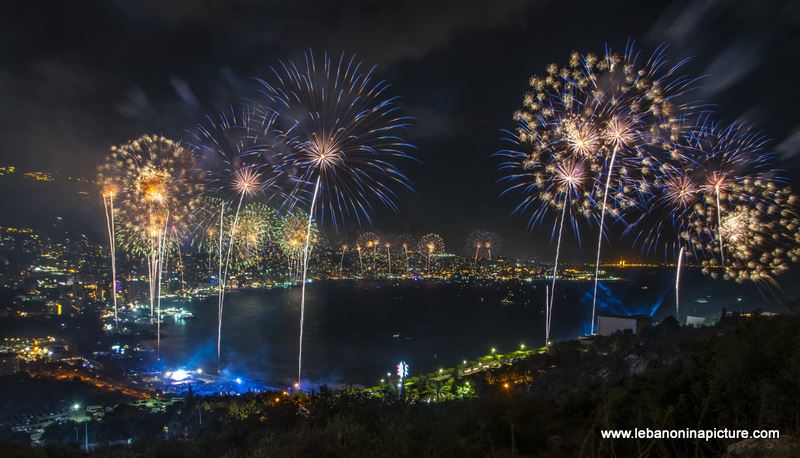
75, 408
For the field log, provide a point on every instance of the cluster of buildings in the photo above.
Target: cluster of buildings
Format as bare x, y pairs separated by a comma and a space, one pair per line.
48, 276
452, 267
35, 424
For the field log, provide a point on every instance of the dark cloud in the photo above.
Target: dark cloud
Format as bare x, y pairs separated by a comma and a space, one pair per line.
381, 31
732, 64
790, 147
125, 66
740, 50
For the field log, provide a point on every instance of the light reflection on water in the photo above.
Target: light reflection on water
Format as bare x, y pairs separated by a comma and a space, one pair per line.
357, 331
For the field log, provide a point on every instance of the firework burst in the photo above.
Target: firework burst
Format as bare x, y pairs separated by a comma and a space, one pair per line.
291, 237
344, 135
548, 179
371, 243
404, 243
343, 130
396, 247
153, 177
599, 118
255, 230
242, 156
758, 228
708, 169
481, 241
156, 184
726, 162
430, 245
666, 214
343, 248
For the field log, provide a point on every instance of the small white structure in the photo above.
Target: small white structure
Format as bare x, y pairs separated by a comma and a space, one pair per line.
696, 321
609, 324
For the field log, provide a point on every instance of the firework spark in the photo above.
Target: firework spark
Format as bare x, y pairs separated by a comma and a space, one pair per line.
291, 238
256, 228
548, 179
727, 160
107, 193
481, 241
343, 131
404, 243
158, 189
371, 244
758, 226
606, 112
430, 245
708, 172
344, 249
242, 156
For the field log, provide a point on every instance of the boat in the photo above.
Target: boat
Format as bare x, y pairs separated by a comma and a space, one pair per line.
177, 313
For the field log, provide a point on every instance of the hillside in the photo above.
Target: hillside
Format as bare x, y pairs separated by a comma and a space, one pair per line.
740, 374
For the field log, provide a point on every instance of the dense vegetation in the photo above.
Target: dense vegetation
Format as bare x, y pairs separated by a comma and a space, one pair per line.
742, 373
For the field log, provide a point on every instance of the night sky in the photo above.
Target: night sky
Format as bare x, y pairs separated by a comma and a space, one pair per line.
77, 77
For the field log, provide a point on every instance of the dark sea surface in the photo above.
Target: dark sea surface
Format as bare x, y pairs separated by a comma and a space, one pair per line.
356, 331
